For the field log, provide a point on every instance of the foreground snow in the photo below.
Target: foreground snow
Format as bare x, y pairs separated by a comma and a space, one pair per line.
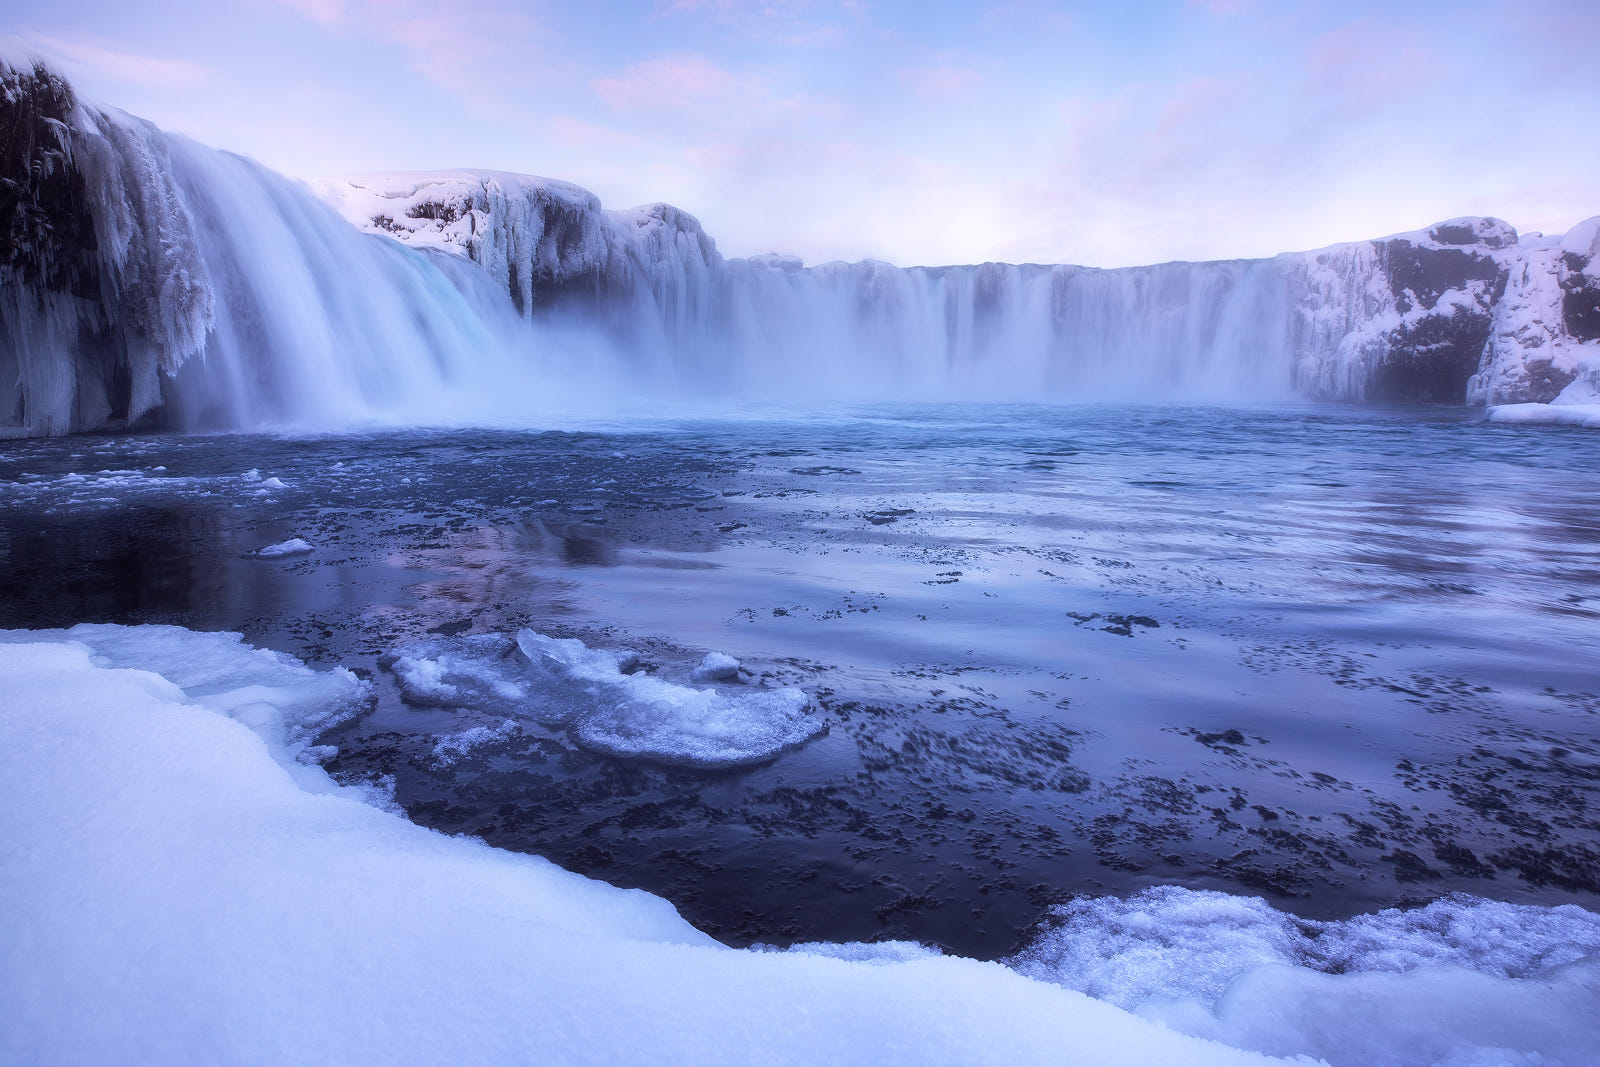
173, 896
183, 886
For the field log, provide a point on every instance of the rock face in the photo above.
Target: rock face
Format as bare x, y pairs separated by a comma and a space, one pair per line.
1544, 344
149, 280
547, 242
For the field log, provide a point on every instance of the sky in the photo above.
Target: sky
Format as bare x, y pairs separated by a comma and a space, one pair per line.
1105, 134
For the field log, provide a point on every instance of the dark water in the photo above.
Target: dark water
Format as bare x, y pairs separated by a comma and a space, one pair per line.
1340, 658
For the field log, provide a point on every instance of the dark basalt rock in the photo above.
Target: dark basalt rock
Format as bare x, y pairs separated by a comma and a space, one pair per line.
1491, 233
1431, 359
1580, 296
44, 208
1419, 275
1431, 362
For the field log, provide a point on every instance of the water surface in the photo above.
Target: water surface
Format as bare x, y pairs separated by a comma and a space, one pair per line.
1342, 658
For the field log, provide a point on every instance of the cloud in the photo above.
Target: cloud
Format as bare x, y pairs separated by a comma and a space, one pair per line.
121, 65
327, 12
472, 49
796, 23
672, 81
1222, 7
942, 80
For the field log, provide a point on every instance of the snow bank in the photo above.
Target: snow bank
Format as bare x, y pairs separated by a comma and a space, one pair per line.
1460, 981
593, 694
277, 696
173, 897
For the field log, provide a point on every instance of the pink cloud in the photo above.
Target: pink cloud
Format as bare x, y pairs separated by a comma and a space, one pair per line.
942, 80
122, 65
327, 12
668, 81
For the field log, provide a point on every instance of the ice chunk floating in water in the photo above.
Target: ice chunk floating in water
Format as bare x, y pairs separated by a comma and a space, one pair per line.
717, 667
295, 546
605, 705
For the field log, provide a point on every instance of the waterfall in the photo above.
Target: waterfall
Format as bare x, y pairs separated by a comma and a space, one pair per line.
152, 281
214, 292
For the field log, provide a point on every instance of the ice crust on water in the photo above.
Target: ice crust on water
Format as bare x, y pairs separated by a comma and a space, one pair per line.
1462, 980
295, 546
174, 897
452, 748
590, 692
80, 489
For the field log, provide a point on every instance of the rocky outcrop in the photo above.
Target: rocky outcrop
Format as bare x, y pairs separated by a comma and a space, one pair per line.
44, 216
548, 242
1544, 341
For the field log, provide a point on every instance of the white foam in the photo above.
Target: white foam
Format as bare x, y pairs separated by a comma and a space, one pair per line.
173, 897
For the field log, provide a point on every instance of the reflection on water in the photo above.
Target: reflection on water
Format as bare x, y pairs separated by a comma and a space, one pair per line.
1339, 657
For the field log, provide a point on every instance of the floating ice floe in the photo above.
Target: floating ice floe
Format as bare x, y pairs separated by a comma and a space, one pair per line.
1587, 415
717, 667
592, 694
295, 546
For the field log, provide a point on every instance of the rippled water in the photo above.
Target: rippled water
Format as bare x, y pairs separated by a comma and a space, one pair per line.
1339, 657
